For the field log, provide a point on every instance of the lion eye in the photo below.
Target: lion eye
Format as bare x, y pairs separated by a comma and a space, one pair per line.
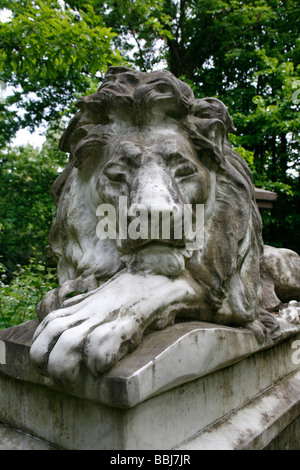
185, 170
115, 172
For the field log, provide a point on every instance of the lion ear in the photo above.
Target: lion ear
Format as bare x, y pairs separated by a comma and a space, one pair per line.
216, 132
209, 135
212, 108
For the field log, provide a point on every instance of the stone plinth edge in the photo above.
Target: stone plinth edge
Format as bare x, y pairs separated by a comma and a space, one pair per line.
165, 359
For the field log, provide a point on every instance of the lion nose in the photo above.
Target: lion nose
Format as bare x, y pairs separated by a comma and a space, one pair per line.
158, 202
157, 222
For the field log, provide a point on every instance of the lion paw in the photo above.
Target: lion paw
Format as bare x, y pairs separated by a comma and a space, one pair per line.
107, 324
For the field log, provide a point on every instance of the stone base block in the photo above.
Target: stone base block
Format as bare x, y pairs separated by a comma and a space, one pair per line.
191, 386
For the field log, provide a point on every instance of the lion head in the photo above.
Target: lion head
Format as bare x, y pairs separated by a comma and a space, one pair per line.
145, 138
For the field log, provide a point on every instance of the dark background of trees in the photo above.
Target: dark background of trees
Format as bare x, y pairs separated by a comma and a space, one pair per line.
245, 53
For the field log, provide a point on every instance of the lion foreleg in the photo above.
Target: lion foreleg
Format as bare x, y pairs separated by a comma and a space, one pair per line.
106, 324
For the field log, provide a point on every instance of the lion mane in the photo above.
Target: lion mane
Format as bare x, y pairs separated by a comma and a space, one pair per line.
226, 269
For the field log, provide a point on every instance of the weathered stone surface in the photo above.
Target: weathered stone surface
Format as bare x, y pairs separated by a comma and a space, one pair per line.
143, 146
11, 439
257, 395
280, 277
257, 424
165, 359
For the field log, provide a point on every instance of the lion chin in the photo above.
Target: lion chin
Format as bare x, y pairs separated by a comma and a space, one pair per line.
143, 145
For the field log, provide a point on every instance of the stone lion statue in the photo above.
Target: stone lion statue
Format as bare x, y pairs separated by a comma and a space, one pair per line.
143, 145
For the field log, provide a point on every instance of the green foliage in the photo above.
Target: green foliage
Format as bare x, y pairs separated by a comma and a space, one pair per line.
245, 53
26, 214
26, 207
139, 25
19, 297
48, 54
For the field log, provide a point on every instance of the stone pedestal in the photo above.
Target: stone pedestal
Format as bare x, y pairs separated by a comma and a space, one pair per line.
191, 386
